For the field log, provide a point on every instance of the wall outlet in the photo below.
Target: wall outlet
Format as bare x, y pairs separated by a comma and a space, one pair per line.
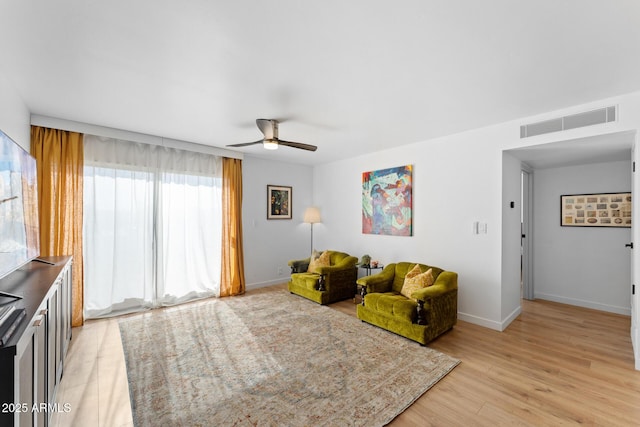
279, 271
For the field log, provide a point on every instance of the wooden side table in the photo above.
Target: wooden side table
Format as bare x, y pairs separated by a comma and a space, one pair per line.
368, 268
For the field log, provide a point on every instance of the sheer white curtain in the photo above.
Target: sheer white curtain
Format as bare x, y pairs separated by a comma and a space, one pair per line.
152, 225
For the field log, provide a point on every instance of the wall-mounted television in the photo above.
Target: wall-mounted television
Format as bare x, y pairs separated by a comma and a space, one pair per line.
19, 227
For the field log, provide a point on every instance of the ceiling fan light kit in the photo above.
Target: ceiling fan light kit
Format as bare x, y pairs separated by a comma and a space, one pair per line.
269, 128
270, 144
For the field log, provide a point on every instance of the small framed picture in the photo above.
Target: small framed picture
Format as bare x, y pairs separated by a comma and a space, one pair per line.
279, 202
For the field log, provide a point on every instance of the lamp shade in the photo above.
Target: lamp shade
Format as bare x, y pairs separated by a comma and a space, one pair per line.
312, 215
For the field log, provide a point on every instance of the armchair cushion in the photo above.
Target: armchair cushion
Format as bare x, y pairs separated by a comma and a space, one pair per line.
323, 260
307, 280
413, 272
394, 305
416, 281
312, 261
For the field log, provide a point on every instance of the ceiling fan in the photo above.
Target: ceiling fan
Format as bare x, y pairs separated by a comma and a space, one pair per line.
269, 127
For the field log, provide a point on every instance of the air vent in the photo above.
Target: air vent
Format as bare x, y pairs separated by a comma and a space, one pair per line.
589, 118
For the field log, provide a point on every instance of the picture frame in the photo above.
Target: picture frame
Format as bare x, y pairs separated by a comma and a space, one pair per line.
279, 202
596, 210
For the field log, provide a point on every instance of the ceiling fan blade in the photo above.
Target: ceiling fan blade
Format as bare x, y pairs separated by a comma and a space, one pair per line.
267, 127
244, 144
300, 145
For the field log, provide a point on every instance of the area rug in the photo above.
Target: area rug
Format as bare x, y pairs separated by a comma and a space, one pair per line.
270, 359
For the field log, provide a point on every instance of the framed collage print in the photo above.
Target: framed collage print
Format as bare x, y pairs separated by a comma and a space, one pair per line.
596, 210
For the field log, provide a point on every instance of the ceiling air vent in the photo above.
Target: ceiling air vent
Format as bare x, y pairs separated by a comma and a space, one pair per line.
594, 117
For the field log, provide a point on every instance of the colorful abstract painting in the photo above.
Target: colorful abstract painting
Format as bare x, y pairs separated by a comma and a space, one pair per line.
386, 201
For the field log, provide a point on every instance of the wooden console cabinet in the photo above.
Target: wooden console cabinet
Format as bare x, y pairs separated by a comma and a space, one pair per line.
32, 362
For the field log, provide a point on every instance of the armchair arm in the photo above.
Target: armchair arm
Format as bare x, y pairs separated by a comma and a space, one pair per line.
300, 265
380, 282
446, 282
345, 263
339, 268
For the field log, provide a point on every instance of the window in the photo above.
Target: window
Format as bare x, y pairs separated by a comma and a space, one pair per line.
152, 226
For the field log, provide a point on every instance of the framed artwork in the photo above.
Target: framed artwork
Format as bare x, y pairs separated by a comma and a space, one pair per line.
278, 202
387, 201
595, 210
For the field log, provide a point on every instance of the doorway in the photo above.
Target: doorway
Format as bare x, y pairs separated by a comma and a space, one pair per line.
550, 164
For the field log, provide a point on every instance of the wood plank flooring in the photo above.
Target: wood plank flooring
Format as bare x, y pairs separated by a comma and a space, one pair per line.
555, 365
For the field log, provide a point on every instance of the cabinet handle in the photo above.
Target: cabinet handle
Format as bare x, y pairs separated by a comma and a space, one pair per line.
44, 311
37, 322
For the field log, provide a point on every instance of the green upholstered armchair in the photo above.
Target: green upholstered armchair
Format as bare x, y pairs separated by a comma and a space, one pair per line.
328, 283
429, 312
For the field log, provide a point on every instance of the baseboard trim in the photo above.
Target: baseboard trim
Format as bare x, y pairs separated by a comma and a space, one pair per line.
480, 321
583, 303
258, 285
510, 318
635, 336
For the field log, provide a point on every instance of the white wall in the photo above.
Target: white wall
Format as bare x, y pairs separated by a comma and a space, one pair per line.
270, 244
454, 184
511, 246
14, 115
588, 267
457, 180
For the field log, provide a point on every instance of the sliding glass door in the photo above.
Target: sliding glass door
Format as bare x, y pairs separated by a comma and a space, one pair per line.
152, 226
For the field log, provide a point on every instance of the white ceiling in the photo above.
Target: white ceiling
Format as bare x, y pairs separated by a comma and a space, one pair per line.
347, 76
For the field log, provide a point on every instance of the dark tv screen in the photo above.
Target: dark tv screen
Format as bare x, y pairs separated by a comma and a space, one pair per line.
19, 228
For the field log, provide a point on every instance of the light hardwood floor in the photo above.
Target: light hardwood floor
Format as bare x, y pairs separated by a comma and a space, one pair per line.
554, 365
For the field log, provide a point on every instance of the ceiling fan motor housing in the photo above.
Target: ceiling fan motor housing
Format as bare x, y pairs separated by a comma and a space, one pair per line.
268, 127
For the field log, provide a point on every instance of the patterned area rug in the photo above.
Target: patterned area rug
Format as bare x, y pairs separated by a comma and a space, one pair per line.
270, 359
